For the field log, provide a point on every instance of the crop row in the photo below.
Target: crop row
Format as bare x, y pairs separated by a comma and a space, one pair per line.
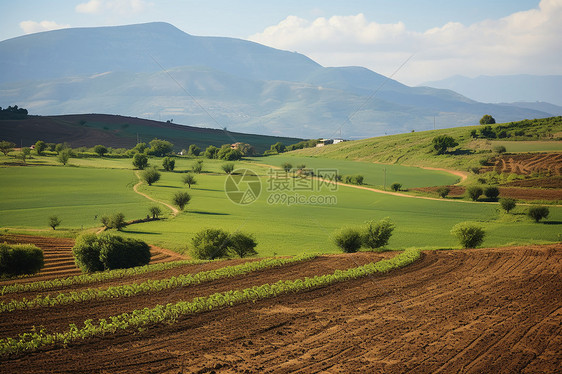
150, 285
169, 313
94, 277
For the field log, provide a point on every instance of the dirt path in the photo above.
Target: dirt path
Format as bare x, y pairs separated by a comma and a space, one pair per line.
174, 210
470, 311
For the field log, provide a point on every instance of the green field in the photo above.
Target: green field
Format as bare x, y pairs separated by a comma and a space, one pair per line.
77, 194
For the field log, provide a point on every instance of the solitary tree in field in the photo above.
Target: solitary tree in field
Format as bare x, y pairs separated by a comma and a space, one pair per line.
469, 235
6, 147
507, 204
189, 179
181, 199
64, 156
538, 212
492, 193
24, 154
287, 167
168, 163
140, 161
443, 191
474, 192
155, 211
40, 147
150, 176
395, 186
54, 221
487, 120
228, 168
197, 166
442, 142
100, 150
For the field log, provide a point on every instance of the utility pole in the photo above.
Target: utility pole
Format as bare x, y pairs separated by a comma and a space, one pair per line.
384, 188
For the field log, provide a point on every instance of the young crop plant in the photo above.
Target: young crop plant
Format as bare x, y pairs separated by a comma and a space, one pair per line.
377, 234
469, 234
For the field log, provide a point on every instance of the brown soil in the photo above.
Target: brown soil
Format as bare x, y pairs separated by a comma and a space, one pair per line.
528, 163
59, 262
552, 182
512, 192
470, 311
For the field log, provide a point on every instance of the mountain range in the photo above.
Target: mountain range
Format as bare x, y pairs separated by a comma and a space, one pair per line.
157, 71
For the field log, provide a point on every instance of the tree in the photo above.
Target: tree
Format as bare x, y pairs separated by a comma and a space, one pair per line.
139, 148
443, 142
228, 154
538, 212
140, 161
150, 175
278, 147
209, 244
474, 192
54, 221
64, 156
100, 150
181, 199
487, 120
500, 149
507, 204
228, 168
18, 259
189, 179
114, 221
40, 147
395, 186
377, 234
160, 147
6, 147
287, 167
168, 163
197, 166
242, 245
245, 149
492, 193
24, 154
348, 239
211, 152
194, 150
443, 191
155, 211
470, 235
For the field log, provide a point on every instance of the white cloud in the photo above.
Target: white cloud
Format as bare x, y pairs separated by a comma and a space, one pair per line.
121, 7
523, 42
30, 27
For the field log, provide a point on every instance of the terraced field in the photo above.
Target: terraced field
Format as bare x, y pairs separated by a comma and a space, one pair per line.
479, 310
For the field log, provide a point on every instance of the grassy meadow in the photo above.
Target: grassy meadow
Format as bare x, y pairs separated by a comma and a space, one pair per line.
92, 187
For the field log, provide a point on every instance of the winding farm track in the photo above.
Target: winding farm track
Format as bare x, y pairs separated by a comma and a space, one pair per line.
470, 311
174, 210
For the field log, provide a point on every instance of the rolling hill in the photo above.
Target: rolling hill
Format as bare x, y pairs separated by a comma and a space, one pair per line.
157, 71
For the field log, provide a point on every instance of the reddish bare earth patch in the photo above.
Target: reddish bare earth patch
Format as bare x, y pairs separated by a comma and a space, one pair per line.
528, 163
59, 262
471, 311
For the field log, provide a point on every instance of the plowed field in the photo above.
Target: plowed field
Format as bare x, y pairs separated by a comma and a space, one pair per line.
483, 310
529, 163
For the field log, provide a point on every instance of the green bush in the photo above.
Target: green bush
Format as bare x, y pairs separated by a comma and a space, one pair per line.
181, 199
538, 212
348, 239
197, 166
507, 204
469, 235
492, 193
228, 167
96, 253
140, 161
168, 164
443, 191
18, 259
500, 148
54, 221
474, 192
189, 179
150, 176
242, 245
395, 186
155, 211
209, 244
377, 234
287, 167
115, 221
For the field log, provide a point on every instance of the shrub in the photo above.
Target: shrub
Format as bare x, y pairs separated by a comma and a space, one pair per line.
228, 167
194, 150
54, 221
197, 166
181, 199
287, 167
18, 259
209, 244
538, 212
500, 148
115, 221
40, 147
242, 245
354, 179
474, 192
443, 191
189, 179
492, 193
487, 120
395, 186
468, 234
211, 151
378, 233
507, 204
100, 150
64, 156
96, 253
150, 176
155, 211
168, 163
140, 161
443, 142
348, 239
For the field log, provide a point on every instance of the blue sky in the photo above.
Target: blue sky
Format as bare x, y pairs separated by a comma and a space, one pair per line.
443, 38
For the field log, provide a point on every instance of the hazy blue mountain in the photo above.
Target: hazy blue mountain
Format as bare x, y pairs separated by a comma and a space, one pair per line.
156, 71
506, 88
